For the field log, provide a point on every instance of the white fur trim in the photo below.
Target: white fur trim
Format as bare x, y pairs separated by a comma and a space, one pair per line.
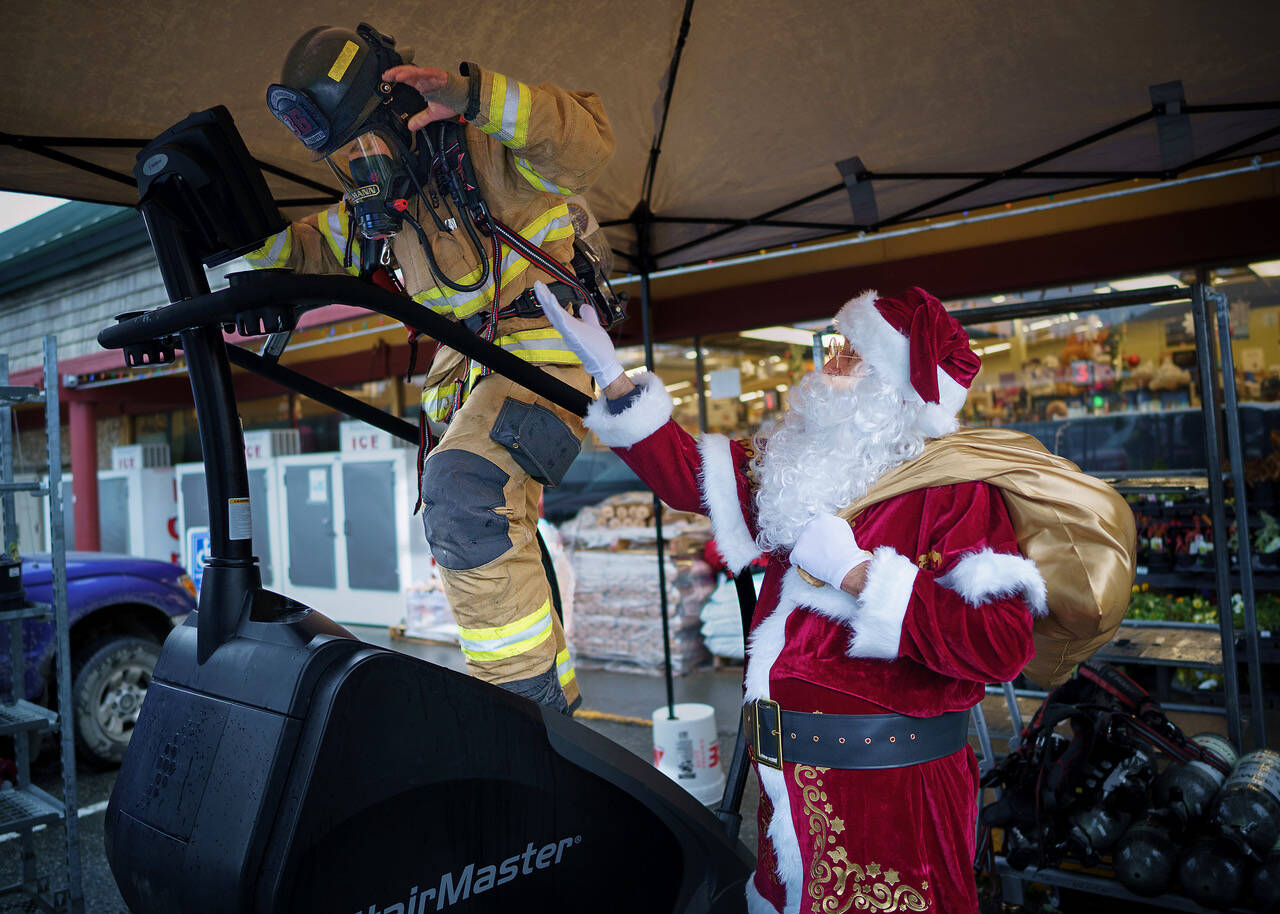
882, 605
831, 602
763, 648
887, 350
981, 577
646, 415
718, 482
786, 843
756, 903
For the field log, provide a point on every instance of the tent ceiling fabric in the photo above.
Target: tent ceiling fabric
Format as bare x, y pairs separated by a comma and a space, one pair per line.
768, 97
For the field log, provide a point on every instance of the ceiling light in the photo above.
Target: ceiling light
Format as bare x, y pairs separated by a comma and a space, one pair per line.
1101, 290
1146, 282
679, 385
994, 347
1040, 325
691, 354
791, 335
1266, 268
997, 299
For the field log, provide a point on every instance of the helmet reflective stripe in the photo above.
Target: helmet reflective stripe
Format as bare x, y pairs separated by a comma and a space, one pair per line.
552, 225
275, 253
503, 641
509, 105
538, 181
564, 667
333, 226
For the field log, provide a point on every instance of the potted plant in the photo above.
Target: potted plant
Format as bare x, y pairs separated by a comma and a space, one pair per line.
1160, 558
1200, 548
1266, 542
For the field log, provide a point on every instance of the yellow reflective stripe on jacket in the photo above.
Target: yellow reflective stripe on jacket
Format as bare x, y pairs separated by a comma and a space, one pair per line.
274, 254
437, 401
508, 640
553, 225
541, 345
509, 107
564, 667
333, 226
531, 175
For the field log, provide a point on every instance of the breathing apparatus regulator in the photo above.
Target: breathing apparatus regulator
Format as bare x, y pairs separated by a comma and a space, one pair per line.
333, 98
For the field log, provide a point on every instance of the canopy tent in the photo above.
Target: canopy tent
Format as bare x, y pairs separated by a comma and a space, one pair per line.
931, 106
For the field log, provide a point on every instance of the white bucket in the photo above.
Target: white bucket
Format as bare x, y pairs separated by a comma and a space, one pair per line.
686, 750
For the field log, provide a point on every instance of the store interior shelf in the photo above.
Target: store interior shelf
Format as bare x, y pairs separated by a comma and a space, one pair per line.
25, 716
23, 808
1099, 885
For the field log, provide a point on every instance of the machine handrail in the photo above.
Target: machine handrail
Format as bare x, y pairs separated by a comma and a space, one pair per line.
253, 299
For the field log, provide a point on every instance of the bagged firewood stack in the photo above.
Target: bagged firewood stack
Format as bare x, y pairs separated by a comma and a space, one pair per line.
617, 622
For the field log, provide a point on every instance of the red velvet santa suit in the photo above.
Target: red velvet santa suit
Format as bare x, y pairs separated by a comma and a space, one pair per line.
947, 607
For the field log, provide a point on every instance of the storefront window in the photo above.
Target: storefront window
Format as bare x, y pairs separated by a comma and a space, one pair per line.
1114, 390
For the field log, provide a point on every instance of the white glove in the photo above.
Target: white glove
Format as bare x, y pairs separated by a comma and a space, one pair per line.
589, 341
827, 549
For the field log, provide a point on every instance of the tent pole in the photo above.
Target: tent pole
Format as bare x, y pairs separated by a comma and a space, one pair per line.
643, 219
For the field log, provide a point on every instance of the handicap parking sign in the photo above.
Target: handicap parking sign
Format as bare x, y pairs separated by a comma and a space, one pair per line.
197, 553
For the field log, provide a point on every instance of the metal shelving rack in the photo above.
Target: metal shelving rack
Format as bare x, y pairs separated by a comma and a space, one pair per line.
24, 806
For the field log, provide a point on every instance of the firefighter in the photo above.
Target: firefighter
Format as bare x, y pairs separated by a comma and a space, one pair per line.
431, 164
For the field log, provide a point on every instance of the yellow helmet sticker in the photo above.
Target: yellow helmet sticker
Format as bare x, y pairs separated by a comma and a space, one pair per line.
348, 54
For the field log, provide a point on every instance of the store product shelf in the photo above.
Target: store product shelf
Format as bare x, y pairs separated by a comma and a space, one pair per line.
1188, 648
23, 808
1094, 883
25, 716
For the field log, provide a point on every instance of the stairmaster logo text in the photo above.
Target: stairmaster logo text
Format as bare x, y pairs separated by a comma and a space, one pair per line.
474, 879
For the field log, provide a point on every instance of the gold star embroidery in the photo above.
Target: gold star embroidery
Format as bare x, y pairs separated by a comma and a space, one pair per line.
891, 877
837, 825
873, 869
827, 808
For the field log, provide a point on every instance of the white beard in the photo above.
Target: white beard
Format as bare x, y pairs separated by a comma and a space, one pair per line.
838, 437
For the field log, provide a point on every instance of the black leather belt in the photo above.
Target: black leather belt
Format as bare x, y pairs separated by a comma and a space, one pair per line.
525, 305
850, 741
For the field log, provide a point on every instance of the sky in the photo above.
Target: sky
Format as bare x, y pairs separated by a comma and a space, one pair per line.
18, 208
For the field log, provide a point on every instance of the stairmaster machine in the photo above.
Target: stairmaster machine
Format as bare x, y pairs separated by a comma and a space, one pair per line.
281, 765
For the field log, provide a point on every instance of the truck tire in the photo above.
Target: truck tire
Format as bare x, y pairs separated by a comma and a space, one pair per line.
110, 680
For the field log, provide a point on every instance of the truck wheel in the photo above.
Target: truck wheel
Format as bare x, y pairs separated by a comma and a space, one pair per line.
111, 676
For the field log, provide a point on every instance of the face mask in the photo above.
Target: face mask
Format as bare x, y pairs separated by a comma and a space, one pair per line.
375, 182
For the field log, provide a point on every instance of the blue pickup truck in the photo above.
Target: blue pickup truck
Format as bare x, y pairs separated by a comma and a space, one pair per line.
121, 609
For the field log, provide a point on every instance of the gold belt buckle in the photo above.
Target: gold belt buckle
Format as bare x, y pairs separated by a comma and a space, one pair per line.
761, 758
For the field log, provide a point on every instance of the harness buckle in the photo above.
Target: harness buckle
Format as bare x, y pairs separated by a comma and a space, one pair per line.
774, 731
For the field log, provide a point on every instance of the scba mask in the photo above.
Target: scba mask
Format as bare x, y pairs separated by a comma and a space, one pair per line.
332, 97
376, 182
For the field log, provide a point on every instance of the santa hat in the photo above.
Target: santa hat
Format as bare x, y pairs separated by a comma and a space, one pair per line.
918, 348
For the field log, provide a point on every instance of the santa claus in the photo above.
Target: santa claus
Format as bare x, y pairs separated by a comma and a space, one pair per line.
873, 637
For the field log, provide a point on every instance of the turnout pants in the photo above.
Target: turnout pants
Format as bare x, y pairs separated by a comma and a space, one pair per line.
480, 491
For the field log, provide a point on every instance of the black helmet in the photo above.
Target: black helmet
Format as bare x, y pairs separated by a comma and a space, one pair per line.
331, 83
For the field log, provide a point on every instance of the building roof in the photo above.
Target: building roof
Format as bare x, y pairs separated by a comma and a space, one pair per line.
65, 239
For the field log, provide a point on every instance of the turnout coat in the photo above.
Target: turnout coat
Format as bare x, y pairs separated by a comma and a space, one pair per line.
948, 606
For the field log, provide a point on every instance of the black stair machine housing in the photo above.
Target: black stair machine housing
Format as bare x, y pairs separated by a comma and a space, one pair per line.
281, 765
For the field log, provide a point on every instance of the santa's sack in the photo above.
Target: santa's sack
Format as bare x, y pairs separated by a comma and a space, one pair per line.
1077, 529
